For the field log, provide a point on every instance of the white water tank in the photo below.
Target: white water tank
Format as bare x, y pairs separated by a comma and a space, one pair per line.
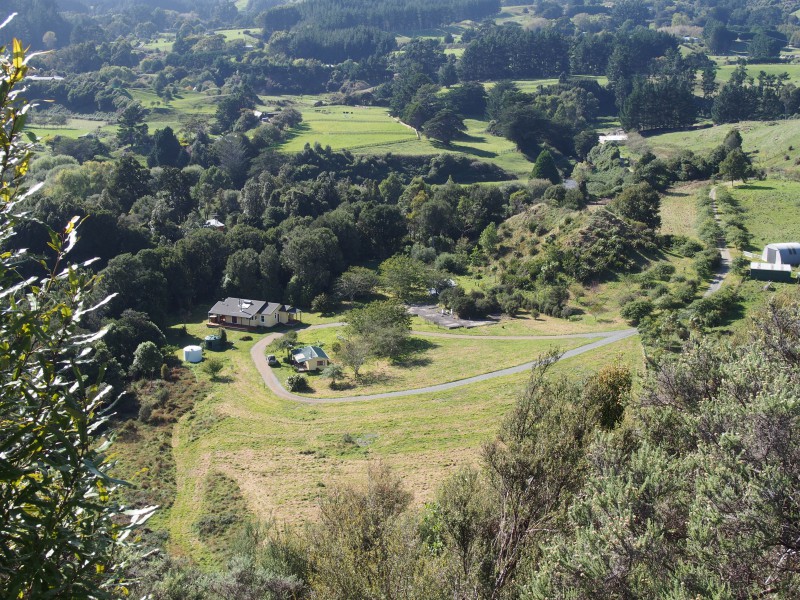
193, 354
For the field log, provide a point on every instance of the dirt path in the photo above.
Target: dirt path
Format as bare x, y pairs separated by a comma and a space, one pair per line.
260, 360
725, 263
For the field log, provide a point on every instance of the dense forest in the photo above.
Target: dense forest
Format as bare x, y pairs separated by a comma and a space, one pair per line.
160, 175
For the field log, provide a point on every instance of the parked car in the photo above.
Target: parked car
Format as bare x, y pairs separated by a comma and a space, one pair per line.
272, 361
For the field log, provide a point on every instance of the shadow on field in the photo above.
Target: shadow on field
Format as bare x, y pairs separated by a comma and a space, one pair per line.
753, 186
467, 150
412, 353
295, 131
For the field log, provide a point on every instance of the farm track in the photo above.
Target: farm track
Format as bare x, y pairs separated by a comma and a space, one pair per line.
271, 381
725, 262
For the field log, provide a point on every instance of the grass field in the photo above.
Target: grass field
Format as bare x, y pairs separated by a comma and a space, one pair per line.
772, 210
774, 145
679, 210
283, 454
187, 102
74, 128
432, 361
163, 43
724, 71
370, 130
352, 128
239, 34
521, 15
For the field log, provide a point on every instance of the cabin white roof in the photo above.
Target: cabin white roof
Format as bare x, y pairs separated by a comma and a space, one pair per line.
787, 253
762, 266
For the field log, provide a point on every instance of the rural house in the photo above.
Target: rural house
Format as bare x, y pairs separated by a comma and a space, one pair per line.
241, 313
310, 358
782, 254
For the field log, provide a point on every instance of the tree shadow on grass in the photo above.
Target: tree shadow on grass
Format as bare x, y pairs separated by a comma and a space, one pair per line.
374, 378
753, 186
296, 131
181, 339
466, 150
412, 355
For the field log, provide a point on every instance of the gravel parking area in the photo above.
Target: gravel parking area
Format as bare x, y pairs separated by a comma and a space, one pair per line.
434, 314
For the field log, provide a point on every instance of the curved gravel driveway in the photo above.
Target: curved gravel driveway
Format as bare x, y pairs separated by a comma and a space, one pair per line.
260, 360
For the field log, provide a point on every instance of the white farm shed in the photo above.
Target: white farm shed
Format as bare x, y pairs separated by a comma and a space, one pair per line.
193, 354
782, 254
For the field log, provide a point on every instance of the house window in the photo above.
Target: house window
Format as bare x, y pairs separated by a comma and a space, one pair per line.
262, 318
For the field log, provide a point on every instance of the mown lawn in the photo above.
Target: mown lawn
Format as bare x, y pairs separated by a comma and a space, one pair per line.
283, 455
429, 361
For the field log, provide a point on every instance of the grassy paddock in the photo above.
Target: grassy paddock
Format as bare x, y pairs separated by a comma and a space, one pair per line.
370, 130
74, 128
772, 210
430, 361
724, 71
239, 34
282, 455
679, 210
774, 145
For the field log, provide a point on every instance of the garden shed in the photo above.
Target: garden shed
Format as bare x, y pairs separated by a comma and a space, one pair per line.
310, 358
213, 342
770, 272
787, 253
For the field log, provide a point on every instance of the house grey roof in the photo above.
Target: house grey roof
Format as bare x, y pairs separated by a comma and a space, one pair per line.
247, 309
237, 307
308, 353
271, 307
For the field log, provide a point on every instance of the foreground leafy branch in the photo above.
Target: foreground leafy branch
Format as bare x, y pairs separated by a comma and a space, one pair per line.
60, 530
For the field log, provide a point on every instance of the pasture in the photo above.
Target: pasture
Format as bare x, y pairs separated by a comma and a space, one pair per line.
772, 210
249, 35
430, 360
773, 145
793, 69
521, 15
370, 130
679, 210
74, 128
282, 454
